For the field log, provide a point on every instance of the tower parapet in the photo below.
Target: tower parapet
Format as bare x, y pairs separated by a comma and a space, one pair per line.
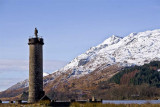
35, 41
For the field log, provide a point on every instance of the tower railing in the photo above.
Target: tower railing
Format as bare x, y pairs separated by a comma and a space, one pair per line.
39, 36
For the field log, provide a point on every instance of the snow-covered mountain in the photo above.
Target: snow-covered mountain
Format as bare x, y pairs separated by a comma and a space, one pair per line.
134, 49
45, 74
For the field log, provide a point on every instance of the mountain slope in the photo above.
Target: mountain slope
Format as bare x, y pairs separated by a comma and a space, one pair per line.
134, 49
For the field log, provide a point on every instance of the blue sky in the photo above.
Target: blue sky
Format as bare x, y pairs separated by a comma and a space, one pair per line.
69, 28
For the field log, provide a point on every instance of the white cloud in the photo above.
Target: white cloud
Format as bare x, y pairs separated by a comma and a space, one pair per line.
13, 71
13, 65
23, 65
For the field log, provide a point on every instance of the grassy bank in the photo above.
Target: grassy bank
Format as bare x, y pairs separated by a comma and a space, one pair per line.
23, 105
83, 105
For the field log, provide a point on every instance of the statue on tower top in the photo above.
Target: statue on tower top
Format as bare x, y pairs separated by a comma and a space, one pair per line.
36, 32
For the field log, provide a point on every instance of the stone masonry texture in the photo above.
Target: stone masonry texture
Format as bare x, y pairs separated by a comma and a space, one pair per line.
35, 70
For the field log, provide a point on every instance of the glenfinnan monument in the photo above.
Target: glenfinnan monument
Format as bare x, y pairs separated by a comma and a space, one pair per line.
35, 68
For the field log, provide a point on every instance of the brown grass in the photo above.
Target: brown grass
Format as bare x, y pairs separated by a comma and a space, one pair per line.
112, 105
83, 105
23, 105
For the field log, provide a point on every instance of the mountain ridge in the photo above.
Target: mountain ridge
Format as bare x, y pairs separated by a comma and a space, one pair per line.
117, 49
105, 53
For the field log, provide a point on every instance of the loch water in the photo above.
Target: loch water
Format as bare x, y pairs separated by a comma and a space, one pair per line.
119, 101
131, 101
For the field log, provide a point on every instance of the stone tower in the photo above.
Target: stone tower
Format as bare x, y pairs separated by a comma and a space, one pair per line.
35, 68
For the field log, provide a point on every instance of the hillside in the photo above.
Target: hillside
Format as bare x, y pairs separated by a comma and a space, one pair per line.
138, 82
146, 74
84, 74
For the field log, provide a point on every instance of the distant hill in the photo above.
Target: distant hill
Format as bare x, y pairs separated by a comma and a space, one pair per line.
103, 68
